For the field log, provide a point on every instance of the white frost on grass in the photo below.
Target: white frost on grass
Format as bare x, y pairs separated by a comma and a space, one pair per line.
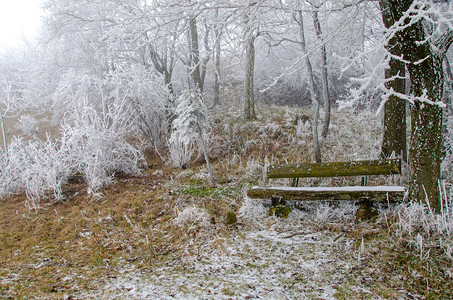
252, 208
263, 263
191, 216
265, 258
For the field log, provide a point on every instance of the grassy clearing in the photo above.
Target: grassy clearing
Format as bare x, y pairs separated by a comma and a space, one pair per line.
164, 234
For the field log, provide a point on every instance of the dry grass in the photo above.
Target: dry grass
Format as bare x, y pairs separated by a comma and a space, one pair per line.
146, 223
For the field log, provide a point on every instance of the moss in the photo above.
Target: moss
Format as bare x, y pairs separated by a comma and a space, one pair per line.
366, 213
231, 218
281, 211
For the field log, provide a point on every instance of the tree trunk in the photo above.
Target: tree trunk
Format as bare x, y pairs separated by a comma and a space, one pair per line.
205, 153
426, 121
2, 125
195, 55
425, 157
426, 73
394, 139
449, 85
325, 82
423, 58
311, 81
217, 48
249, 109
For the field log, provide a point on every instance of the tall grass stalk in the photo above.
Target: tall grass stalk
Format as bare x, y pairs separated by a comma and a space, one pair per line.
425, 228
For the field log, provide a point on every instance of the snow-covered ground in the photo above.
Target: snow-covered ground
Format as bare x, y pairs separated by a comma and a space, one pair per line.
260, 264
267, 258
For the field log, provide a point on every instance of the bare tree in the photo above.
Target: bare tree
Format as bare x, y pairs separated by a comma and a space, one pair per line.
250, 34
217, 51
317, 150
324, 75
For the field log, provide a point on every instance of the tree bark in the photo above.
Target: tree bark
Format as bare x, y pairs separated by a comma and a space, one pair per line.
2, 125
324, 77
195, 55
423, 59
394, 139
311, 81
217, 48
249, 109
449, 84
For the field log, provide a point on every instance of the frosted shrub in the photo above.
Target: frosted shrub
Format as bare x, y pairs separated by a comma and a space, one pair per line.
189, 129
180, 152
91, 145
35, 167
148, 96
28, 125
96, 148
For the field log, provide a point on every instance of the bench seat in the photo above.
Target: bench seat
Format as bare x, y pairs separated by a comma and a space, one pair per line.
375, 193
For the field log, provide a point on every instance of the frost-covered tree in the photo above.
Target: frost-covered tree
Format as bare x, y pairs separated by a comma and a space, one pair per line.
190, 129
424, 31
317, 150
394, 139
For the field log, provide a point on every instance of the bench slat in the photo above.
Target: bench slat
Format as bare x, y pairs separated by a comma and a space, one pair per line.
333, 169
376, 193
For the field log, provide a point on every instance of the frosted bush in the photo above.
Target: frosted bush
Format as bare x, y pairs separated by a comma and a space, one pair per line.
180, 153
138, 94
91, 145
189, 129
95, 147
28, 125
148, 96
35, 167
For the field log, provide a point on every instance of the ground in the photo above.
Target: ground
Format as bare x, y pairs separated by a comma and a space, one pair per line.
163, 234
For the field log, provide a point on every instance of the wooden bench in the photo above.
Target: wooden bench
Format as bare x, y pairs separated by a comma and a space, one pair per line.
354, 168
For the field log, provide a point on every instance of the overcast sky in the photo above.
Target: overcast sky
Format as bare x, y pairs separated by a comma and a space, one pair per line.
19, 20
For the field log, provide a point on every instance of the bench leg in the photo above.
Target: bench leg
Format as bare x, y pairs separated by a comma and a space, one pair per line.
366, 212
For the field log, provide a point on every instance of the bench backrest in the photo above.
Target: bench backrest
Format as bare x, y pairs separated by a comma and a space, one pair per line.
334, 169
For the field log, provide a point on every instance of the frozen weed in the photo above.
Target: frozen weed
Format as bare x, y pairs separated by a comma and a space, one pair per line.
192, 217
254, 168
252, 208
425, 228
